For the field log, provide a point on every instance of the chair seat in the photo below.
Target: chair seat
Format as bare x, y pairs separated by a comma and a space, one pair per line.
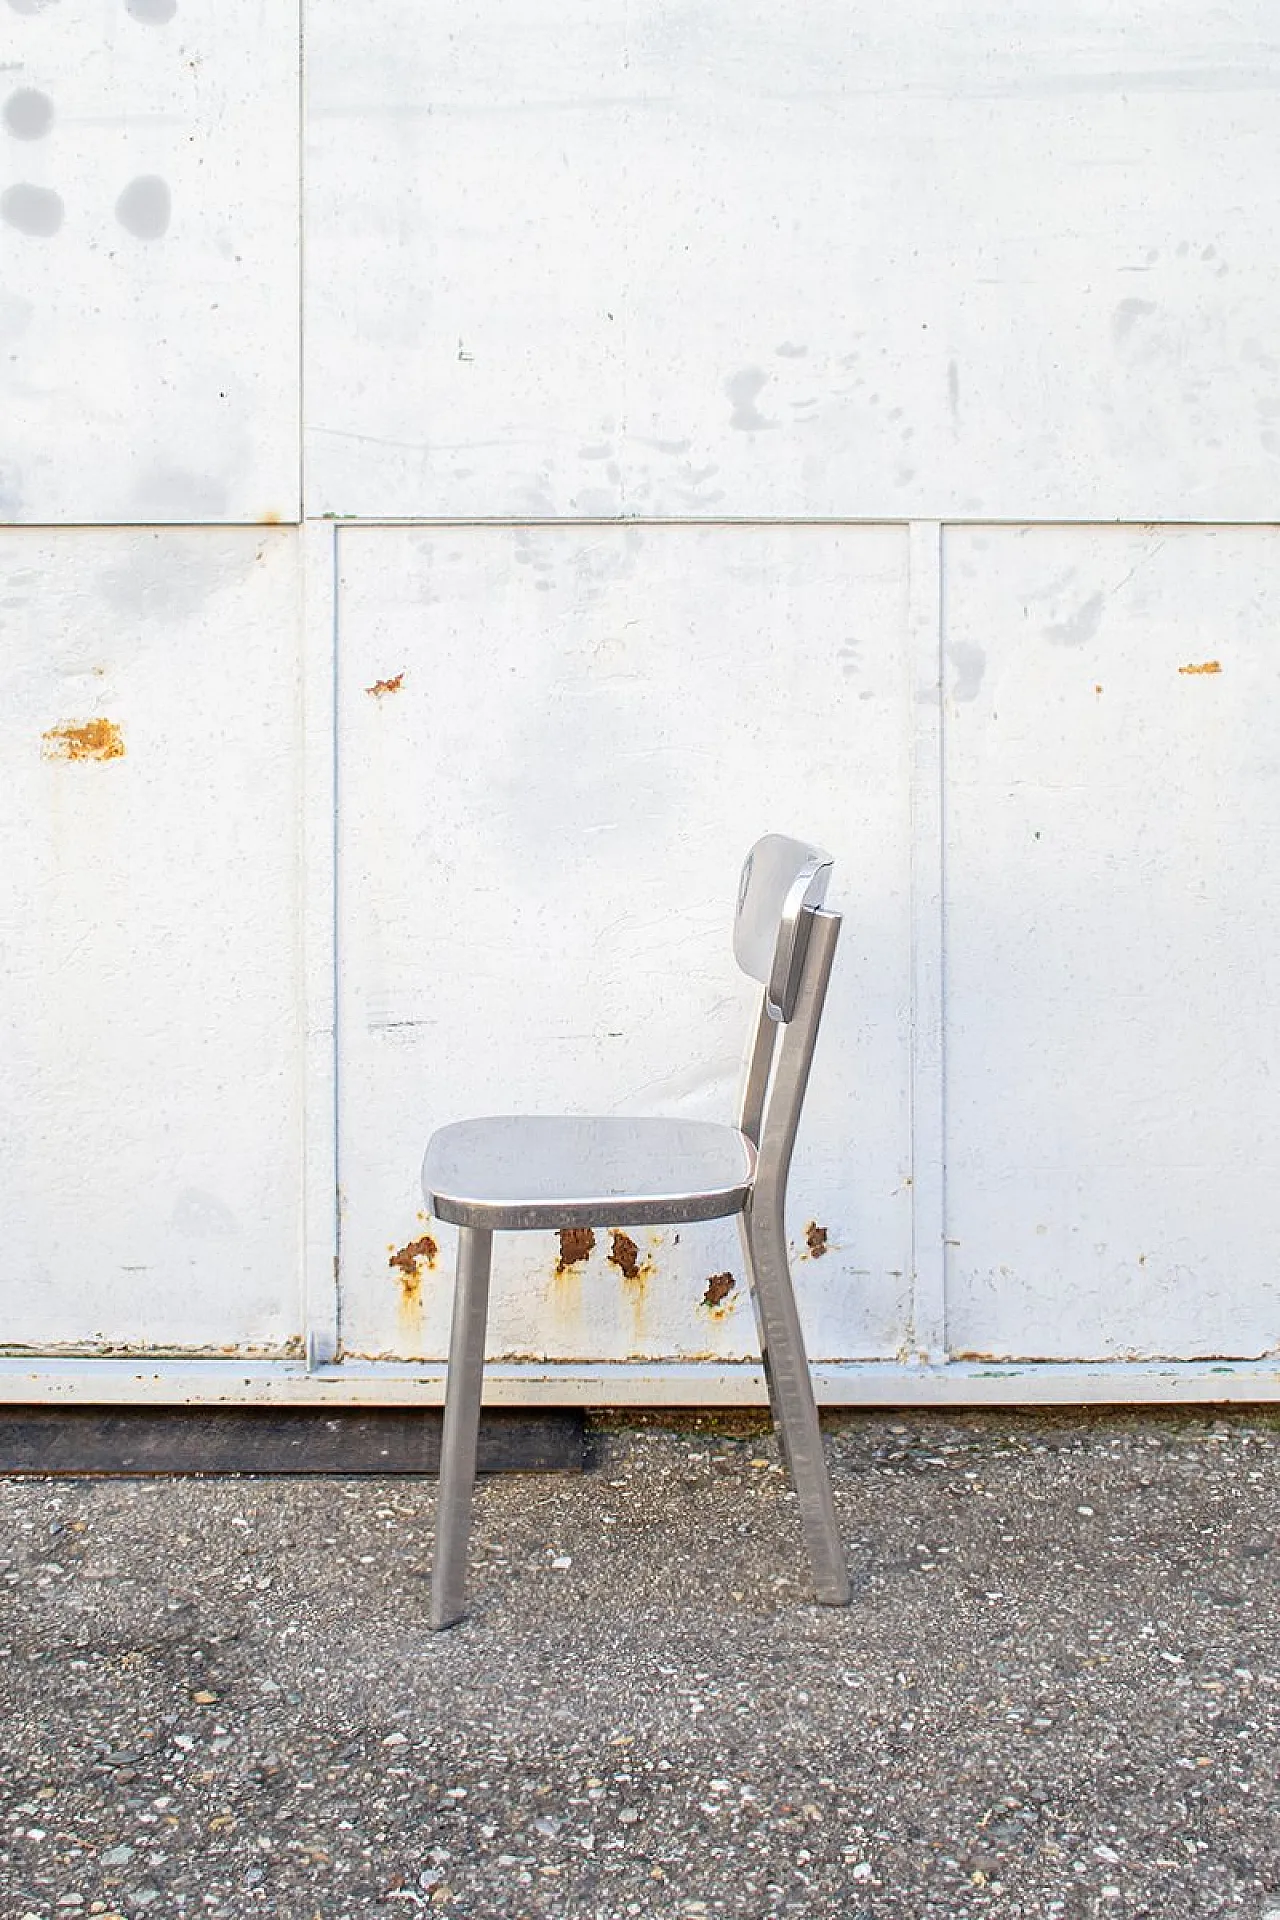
524, 1171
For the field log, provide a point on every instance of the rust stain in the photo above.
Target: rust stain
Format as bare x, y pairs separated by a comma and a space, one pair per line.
380, 687
624, 1254
91, 740
271, 518
1205, 666
576, 1244
815, 1238
719, 1288
407, 1262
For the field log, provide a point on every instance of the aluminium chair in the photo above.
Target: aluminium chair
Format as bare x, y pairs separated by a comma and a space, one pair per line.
530, 1172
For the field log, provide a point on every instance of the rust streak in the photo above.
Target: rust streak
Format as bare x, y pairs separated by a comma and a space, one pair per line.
380, 687
576, 1245
815, 1238
407, 1262
719, 1288
1205, 666
90, 740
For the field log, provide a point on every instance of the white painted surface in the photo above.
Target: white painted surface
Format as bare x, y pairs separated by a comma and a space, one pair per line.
149, 249
1113, 867
540, 831
916, 266
149, 1028
917, 260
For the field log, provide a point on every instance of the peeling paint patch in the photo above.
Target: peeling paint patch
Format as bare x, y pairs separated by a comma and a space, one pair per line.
380, 687
1205, 666
815, 1238
576, 1245
625, 1255
407, 1262
720, 1287
90, 740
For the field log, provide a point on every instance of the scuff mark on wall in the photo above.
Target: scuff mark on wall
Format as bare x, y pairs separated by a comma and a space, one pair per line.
84, 740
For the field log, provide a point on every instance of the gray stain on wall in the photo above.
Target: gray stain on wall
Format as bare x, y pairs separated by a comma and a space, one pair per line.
970, 664
152, 13
143, 208
28, 114
1126, 315
744, 389
1082, 625
34, 210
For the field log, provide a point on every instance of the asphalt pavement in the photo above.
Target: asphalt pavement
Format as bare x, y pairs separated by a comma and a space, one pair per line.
1056, 1692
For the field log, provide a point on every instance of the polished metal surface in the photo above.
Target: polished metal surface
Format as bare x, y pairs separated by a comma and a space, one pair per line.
764, 1241
461, 1429
781, 878
523, 1171
519, 1172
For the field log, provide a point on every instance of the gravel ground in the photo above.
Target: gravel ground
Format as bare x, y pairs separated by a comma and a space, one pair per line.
1057, 1691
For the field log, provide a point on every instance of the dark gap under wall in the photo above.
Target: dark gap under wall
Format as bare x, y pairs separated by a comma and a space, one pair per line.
284, 1440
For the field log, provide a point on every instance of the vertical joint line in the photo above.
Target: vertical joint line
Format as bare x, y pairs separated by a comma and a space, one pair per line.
334, 933
302, 255
928, 953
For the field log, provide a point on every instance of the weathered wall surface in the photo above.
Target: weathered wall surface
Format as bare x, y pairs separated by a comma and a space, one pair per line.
686, 422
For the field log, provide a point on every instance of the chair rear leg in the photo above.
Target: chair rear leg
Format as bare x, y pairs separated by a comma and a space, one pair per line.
791, 1395
463, 1387
762, 1337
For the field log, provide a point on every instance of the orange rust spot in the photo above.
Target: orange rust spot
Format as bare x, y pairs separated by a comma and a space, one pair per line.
719, 1288
815, 1238
624, 1254
407, 1262
93, 740
1097, 689
271, 518
380, 687
576, 1244
1206, 666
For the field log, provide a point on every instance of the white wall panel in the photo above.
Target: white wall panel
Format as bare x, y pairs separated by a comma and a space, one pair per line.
555, 745
149, 260
150, 1021
1113, 878
913, 259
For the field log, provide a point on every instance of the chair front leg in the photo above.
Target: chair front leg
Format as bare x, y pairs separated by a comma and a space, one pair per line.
795, 1410
463, 1387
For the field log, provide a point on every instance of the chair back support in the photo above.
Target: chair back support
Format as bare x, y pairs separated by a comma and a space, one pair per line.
791, 878
780, 878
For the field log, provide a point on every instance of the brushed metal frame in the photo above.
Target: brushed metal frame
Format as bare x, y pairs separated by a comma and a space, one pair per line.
783, 880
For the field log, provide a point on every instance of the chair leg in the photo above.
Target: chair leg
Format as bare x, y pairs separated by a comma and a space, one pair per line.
795, 1410
461, 1426
762, 1340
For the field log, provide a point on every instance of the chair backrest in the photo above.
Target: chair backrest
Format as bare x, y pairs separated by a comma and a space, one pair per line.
785, 939
780, 878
